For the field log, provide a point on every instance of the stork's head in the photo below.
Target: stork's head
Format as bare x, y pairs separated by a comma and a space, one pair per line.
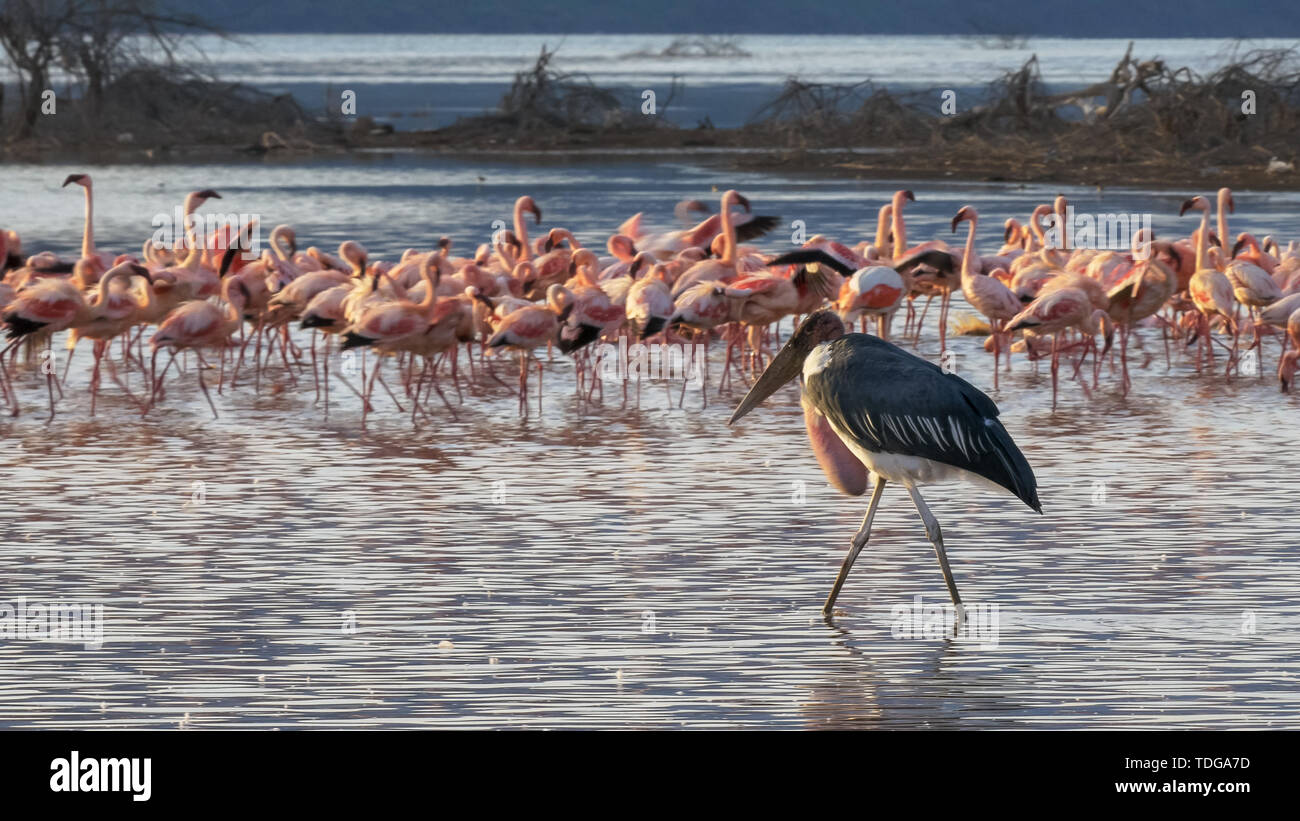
822, 326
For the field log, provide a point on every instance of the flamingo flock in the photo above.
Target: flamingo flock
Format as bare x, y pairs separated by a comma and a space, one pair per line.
207, 295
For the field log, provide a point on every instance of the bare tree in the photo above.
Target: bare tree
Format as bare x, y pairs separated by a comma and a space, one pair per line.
94, 40
30, 32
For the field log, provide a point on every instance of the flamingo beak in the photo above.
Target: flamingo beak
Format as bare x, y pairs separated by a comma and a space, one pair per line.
909, 195
743, 202
1237, 247
77, 178
1187, 206
209, 194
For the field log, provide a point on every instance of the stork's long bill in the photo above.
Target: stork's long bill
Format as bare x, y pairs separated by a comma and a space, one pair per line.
819, 327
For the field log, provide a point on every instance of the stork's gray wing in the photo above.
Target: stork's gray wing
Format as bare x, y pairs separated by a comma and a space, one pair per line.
893, 402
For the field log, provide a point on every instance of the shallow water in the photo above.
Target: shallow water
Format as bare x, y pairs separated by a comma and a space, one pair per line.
639, 564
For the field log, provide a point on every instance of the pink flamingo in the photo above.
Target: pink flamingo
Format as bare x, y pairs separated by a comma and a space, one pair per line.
1211, 291
197, 325
1057, 311
528, 328
986, 293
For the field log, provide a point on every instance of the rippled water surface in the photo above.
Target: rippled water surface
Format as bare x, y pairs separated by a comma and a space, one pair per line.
633, 564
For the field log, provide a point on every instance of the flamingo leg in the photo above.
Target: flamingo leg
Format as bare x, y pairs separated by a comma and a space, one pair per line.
859, 541
1056, 365
198, 371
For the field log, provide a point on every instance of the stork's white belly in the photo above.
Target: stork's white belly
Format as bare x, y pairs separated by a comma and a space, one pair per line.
911, 470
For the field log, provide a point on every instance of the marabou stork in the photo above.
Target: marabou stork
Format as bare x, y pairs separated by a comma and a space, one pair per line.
871, 406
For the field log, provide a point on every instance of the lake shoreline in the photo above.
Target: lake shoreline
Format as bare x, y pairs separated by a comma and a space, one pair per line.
733, 149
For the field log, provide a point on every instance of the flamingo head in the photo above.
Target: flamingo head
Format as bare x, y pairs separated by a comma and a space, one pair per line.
553, 239
1197, 203
526, 203
966, 213
640, 261
621, 246
733, 197
1225, 197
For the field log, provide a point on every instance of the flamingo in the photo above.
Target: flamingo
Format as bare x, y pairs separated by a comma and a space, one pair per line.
725, 267
1059, 310
1142, 292
1287, 367
986, 294
528, 328
197, 325
650, 303
871, 406
524, 205
37, 312
1211, 291
99, 263
421, 328
113, 310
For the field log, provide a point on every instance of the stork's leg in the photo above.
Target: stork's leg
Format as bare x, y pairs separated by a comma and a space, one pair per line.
859, 542
935, 535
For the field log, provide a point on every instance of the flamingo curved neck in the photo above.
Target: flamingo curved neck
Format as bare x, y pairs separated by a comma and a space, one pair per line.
1203, 241
1062, 223
728, 233
882, 231
192, 234
277, 236
106, 282
1225, 195
88, 236
521, 232
900, 229
970, 251
427, 269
